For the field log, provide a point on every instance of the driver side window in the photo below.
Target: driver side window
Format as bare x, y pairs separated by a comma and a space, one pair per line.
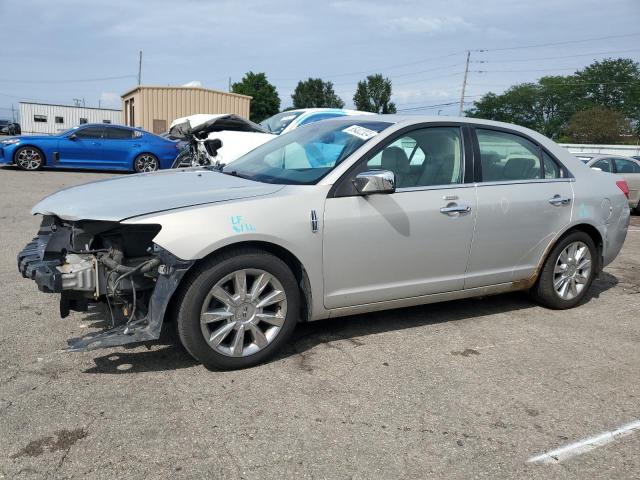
424, 157
89, 132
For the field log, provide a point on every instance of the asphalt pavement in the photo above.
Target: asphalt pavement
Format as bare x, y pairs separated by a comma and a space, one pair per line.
466, 389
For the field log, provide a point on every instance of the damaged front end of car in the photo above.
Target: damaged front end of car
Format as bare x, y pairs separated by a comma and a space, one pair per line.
102, 262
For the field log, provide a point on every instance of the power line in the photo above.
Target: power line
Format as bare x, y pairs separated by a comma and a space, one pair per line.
558, 83
553, 44
555, 58
428, 107
526, 70
378, 70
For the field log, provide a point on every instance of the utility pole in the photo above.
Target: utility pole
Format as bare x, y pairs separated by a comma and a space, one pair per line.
464, 83
140, 67
13, 114
229, 84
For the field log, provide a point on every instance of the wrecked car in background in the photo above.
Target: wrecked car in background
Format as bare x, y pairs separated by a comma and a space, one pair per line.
340, 217
220, 139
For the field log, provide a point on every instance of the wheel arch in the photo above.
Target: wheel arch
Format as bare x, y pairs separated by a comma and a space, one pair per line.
296, 266
595, 235
40, 149
587, 228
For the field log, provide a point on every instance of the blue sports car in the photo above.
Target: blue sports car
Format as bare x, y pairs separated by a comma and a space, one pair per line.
97, 146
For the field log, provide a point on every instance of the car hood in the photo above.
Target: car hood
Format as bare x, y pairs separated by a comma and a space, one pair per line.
116, 199
32, 137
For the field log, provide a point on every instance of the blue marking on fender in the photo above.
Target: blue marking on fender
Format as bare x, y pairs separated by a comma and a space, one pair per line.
239, 226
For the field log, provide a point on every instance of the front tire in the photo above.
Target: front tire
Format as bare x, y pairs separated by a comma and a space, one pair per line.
29, 158
238, 309
568, 272
146, 162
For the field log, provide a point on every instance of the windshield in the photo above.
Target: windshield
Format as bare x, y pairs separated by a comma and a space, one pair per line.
64, 132
305, 155
280, 121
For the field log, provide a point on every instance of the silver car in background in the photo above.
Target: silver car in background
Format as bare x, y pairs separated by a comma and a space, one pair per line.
626, 167
344, 216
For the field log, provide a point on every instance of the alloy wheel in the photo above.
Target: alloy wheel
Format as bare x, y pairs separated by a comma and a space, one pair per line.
146, 163
29, 159
243, 312
572, 270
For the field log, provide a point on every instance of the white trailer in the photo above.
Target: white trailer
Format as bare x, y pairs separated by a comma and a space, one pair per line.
49, 119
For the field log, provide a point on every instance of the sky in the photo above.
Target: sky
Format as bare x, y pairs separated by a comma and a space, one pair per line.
58, 51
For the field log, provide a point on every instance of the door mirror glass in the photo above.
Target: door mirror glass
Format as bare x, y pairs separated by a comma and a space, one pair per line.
73, 136
375, 181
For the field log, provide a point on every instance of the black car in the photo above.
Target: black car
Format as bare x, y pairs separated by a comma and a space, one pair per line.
9, 128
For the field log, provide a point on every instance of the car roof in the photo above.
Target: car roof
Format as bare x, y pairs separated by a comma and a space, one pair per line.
111, 125
610, 155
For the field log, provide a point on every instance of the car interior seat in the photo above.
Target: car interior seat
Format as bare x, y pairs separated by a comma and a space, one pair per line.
518, 168
396, 160
439, 163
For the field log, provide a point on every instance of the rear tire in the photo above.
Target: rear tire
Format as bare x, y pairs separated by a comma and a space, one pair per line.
29, 158
237, 309
146, 162
568, 272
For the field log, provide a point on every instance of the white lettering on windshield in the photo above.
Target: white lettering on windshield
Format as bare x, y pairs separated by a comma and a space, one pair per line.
360, 132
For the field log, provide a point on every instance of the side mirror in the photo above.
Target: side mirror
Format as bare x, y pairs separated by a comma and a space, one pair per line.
212, 146
73, 137
375, 181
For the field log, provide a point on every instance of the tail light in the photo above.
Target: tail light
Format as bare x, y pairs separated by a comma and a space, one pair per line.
622, 185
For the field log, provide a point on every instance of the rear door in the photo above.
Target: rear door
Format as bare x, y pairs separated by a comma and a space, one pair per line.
630, 170
118, 145
82, 148
524, 199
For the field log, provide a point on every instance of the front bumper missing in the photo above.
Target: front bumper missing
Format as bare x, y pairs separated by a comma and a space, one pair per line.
36, 264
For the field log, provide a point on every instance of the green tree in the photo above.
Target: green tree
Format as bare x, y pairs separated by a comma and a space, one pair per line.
314, 93
614, 84
374, 95
549, 104
599, 125
265, 100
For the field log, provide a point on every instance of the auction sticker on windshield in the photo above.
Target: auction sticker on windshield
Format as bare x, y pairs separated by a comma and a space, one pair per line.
360, 132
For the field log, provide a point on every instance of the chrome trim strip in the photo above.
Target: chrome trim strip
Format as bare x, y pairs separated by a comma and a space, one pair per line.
520, 182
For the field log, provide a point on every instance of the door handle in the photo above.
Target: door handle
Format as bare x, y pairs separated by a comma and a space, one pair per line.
453, 208
558, 200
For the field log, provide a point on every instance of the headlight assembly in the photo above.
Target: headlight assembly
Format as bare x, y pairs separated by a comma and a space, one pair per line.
10, 141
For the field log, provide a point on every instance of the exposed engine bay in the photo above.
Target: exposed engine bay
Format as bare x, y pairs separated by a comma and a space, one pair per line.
99, 262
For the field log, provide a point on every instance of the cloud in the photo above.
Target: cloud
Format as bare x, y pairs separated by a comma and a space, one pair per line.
110, 99
430, 25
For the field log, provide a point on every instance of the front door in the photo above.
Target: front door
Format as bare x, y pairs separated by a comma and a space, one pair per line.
413, 242
82, 148
524, 199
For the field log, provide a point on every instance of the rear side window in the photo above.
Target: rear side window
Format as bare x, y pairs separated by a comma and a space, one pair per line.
505, 156
602, 165
118, 134
551, 168
626, 166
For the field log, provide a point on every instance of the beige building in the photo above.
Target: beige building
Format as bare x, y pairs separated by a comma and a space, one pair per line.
154, 108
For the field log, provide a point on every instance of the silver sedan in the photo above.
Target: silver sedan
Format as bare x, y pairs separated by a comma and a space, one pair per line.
339, 217
626, 167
